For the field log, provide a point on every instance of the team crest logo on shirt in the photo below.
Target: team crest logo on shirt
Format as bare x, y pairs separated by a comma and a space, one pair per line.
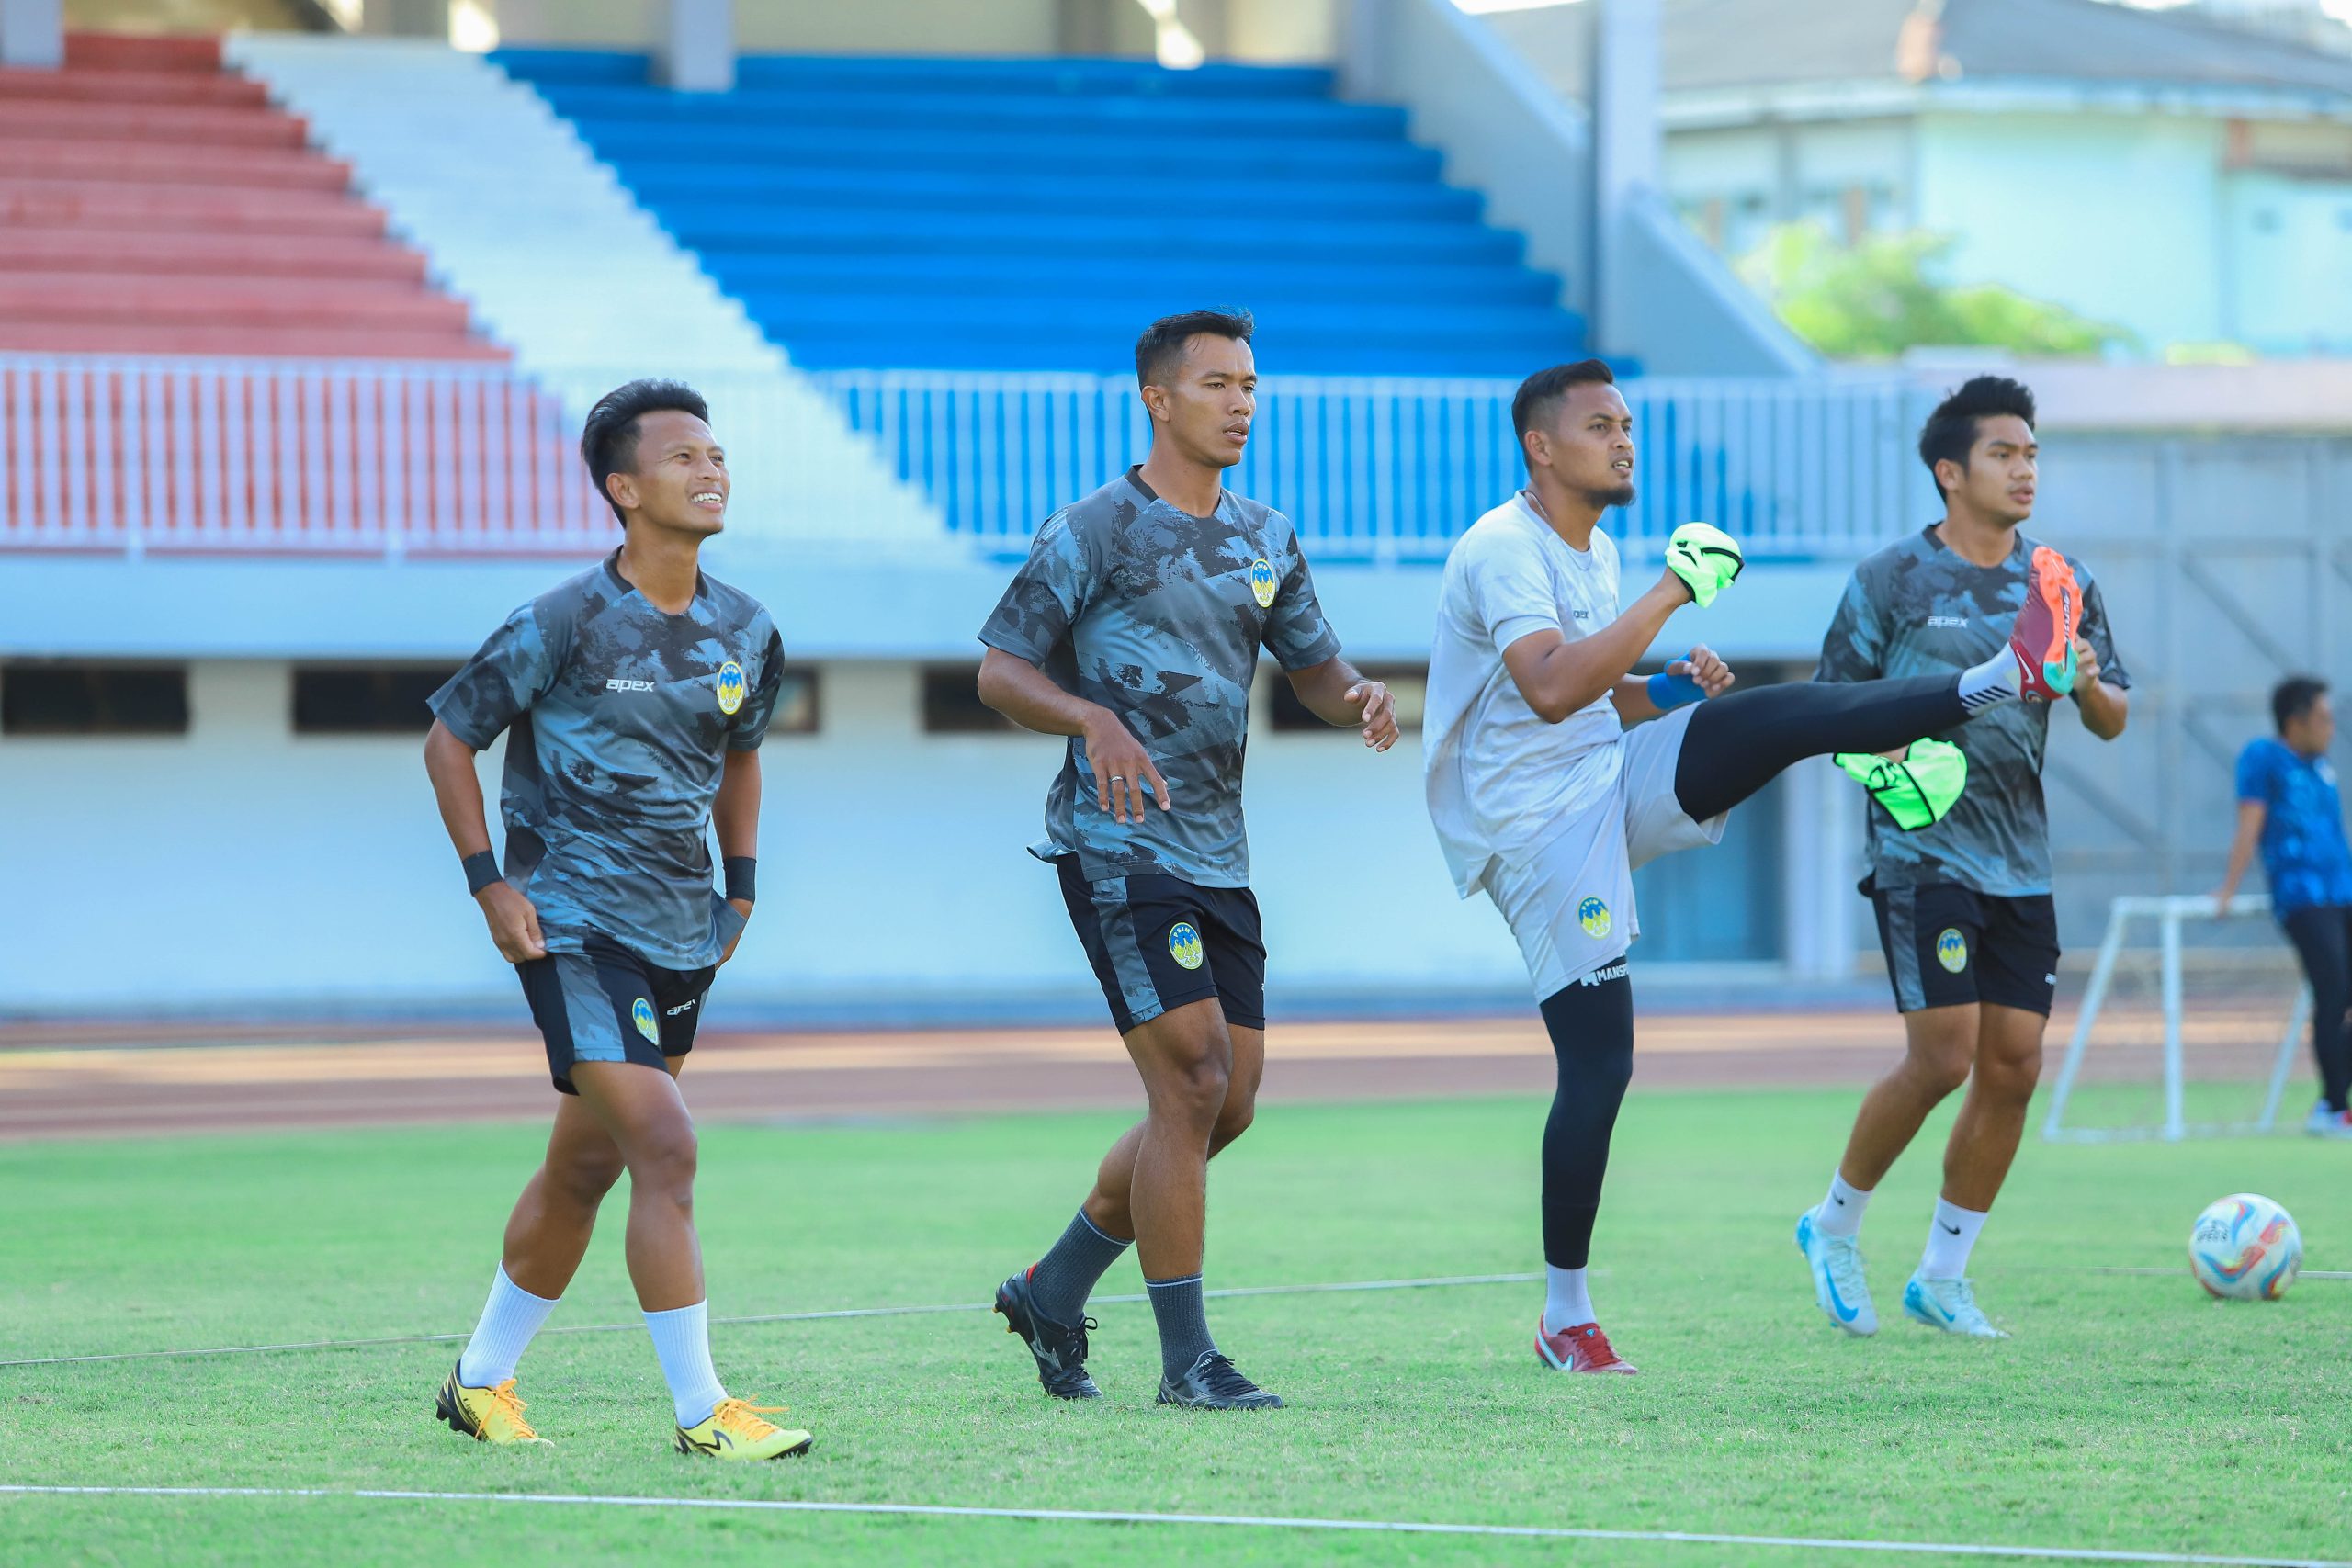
730, 686
1951, 950
1261, 582
1185, 944
640, 1013
1593, 915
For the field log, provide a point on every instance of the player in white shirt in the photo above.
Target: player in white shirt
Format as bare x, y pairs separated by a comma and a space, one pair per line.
1552, 773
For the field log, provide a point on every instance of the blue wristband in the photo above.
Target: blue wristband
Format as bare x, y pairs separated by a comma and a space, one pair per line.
1670, 692
742, 879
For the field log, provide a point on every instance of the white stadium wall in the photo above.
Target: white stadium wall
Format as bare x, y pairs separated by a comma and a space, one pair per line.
242, 865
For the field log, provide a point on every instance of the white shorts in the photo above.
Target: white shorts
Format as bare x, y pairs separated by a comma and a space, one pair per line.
1570, 900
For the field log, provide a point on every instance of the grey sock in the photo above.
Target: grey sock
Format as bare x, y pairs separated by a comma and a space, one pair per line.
1184, 1323
1064, 1276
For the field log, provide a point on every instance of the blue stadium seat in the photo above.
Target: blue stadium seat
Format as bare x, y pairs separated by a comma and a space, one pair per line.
1032, 214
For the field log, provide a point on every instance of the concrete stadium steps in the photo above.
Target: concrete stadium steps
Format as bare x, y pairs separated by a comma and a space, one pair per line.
553, 255
1032, 214
151, 202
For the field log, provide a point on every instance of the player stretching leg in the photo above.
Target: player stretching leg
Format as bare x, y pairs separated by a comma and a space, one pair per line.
635, 696
1134, 629
1552, 774
1963, 906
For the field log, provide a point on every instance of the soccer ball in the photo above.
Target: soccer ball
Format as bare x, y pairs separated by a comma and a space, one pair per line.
2245, 1248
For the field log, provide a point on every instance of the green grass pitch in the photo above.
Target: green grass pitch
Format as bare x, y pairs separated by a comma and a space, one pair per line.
2129, 1412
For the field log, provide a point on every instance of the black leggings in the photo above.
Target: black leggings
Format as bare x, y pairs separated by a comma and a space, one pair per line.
1735, 746
2322, 938
1592, 1024
1739, 742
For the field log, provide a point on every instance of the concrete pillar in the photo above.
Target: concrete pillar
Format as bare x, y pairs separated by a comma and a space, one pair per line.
697, 51
32, 33
1821, 856
406, 19
1626, 152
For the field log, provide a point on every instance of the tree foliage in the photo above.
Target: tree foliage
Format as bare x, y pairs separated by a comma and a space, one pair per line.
1876, 298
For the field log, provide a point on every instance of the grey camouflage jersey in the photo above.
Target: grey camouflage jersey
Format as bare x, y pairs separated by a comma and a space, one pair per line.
620, 716
1158, 615
1916, 608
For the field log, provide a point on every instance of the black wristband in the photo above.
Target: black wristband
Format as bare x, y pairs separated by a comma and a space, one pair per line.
481, 870
742, 879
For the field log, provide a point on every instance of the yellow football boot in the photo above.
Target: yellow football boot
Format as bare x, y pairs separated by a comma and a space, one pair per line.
735, 1431
486, 1414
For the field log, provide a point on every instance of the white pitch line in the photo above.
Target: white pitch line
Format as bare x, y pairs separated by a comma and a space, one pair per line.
1106, 1517
1439, 1283
2305, 1274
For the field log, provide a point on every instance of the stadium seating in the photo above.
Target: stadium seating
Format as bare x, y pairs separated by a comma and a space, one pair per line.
151, 202
1030, 214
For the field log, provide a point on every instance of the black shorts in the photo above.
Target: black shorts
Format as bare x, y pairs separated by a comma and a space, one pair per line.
606, 1004
1947, 945
1156, 942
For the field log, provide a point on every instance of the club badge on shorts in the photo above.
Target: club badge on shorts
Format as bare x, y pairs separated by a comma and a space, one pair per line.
1593, 915
1185, 944
1951, 950
1261, 582
640, 1013
731, 687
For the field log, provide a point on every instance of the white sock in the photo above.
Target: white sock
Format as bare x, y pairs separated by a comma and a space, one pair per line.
1950, 1237
508, 1320
682, 1338
1564, 1303
1998, 680
1841, 1213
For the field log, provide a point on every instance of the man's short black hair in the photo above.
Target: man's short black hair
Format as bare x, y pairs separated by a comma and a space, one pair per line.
2292, 697
1540, 393
608, 441
1161, 347
1950, 431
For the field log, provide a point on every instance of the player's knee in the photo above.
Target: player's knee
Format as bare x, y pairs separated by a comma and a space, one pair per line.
2009, 1077
664, 1161
1942, 1066
585, 1179
1194, 1089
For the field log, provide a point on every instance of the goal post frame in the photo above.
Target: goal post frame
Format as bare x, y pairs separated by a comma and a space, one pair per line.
2169, 911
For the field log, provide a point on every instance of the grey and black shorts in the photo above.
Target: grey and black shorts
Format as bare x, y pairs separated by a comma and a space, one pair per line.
1158, 943
607, 1004
1948, 945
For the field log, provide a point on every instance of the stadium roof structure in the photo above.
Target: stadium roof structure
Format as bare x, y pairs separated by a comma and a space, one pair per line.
1883, 55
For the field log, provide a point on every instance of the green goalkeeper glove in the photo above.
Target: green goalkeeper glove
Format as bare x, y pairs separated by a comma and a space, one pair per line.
1916, 791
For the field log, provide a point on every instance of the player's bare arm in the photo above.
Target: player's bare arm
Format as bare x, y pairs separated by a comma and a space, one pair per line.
1337, 693
735, 815
2105, 708
1027, 695
449, 763
1558, 677
2252, 815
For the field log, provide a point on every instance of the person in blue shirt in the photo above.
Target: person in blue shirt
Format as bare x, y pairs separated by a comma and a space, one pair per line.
2288, 806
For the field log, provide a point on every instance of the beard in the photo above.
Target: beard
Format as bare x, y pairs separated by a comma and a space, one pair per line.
1610, 495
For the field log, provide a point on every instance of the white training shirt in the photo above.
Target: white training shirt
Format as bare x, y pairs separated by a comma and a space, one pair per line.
1501, 780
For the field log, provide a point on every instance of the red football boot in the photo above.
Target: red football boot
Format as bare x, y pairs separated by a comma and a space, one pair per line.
1581, 1348
2045, 635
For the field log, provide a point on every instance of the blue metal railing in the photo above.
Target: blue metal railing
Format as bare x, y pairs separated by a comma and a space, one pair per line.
1392, 471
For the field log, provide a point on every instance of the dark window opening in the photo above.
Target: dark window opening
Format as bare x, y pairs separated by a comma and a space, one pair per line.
43, 698
330, 699
798, 708
952, 705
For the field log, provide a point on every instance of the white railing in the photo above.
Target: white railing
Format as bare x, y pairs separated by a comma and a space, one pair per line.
168, 455
1394, 469
192, 455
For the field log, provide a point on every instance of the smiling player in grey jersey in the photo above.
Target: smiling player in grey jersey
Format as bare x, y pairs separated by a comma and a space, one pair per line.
1134, 629
634, 698
1964, 910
